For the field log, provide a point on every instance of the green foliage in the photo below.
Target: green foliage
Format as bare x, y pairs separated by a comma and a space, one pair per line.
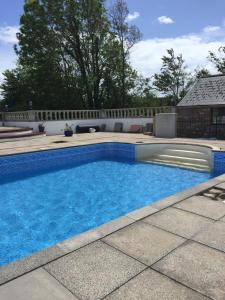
199, 73
173, 81
218, 59
127, 36
72, 55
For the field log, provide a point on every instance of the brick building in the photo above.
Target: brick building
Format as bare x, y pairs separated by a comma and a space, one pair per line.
201, 113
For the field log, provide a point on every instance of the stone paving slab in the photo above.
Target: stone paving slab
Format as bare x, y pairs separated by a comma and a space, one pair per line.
29, 263
144, 242
150, 285
179, 222
37, 285
94, 271
94, 234
142, 212
203, 206
214, 236
221, 186
198, 267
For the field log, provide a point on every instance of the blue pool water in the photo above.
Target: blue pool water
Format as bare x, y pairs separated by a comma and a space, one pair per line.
40, 208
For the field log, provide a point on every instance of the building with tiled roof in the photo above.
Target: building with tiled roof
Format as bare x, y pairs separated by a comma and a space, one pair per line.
201, 113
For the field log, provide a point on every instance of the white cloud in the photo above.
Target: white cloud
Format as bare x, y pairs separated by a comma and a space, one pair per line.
7, 59
146, 55
133, 16
8, 34
165, 20
7, 54
209, 29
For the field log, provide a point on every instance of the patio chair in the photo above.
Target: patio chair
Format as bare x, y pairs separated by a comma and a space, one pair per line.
118, 127
136, 128
148, 129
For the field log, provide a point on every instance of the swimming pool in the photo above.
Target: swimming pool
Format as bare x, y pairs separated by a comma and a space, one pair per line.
49, 196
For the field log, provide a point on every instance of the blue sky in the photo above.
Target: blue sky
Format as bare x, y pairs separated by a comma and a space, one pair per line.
191, 27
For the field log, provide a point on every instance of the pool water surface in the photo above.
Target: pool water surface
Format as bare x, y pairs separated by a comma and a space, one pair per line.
44, 208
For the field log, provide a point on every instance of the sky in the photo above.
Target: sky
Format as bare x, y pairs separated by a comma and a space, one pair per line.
191, 27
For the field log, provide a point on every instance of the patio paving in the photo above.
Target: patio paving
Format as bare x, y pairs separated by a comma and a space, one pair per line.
144, 242
152, 285
179, 222
13, 146
171, 250
203, 206
214, 236
94, 271
36, 285
198, 267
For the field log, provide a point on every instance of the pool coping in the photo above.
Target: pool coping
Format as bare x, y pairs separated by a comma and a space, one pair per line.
39, 259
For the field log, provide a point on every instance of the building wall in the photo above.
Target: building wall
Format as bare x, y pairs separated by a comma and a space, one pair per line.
196, 122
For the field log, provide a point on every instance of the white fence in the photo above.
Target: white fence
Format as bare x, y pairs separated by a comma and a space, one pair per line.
58, 115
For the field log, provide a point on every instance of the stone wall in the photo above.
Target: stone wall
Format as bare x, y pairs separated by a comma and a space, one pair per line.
196, 122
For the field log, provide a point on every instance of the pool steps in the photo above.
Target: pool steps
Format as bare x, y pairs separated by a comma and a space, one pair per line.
17, 133
186, 156
180, 164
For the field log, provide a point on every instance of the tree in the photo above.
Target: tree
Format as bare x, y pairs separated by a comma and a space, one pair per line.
173, 81
199, 73
39, 58
142, 94
72, 55
127, 36
218, 59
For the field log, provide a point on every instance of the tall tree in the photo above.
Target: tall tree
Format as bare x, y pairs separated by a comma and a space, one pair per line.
39, 57
72, 55
127, 35
218, 59
173, 80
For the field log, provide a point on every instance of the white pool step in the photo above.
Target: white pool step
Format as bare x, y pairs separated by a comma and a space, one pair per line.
186, 153
187, 158
186, 165
191, 160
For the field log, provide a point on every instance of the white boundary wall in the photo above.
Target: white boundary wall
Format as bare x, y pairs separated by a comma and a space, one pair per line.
57, 127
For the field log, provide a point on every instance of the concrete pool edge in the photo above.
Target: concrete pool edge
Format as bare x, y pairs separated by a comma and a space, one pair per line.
39, 259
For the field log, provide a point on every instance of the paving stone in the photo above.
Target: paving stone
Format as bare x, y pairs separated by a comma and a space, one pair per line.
144, 242
37, 285
142, 212
213, 236
221, 186
179, 222
114, 225
29, 263
198, 267
150, 285
221, 197
215, 191
203, 206
94, 271
212, 196
79, 241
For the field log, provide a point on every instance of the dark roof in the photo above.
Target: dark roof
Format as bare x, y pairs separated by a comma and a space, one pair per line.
206, 91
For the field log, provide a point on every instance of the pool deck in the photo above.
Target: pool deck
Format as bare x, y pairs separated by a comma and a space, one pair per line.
14, 146
173, 249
